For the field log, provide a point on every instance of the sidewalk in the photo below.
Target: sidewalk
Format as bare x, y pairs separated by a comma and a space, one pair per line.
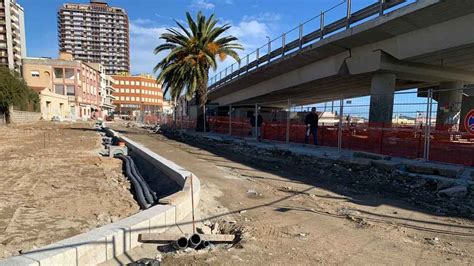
426, 169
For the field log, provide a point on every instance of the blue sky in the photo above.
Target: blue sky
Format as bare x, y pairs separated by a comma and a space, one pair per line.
252, 21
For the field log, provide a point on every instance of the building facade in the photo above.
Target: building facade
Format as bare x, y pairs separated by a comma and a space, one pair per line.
65, 77
96, 33
106, 90
12, 34
137, 94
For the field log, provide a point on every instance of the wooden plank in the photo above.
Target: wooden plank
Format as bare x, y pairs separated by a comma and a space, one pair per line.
167, 238
218, 238
158, 238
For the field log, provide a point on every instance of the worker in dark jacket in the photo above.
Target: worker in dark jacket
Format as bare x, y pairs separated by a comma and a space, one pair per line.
311, 122
256, 130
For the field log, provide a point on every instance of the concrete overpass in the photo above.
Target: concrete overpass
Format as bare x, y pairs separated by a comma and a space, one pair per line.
429, 43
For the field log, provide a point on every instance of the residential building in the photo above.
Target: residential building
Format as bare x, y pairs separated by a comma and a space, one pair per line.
52, 105
96, 33
106, 90
65, 77
136, 94
12, 34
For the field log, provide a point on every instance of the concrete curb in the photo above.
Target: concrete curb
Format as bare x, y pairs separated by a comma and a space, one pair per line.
112, 240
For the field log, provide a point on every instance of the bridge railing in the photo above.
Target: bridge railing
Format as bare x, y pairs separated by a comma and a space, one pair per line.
301, 36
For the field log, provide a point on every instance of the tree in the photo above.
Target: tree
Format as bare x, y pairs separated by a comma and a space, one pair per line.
15, 92
193, 51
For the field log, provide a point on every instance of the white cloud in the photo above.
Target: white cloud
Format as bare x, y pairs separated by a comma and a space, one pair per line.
143, 21
251, 34
144, 37
202, 4
263, 17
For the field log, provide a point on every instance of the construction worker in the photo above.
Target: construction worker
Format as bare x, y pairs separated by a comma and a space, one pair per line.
256, 129
311, 122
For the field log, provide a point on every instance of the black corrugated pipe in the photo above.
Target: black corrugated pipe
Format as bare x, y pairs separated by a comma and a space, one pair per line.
153, 193
136, 185
143, 184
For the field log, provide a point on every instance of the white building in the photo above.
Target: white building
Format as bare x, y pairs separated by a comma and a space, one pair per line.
12, 34
106, 89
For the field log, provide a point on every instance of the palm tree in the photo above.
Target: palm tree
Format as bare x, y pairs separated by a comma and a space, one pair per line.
193, 51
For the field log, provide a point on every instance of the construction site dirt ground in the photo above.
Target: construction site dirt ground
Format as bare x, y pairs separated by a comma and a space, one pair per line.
292, 213
54, 185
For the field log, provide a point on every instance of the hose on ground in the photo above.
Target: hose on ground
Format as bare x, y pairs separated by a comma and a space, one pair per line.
136, 184
143, 184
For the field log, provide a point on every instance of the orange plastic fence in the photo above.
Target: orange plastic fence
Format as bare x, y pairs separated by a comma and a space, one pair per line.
404, 141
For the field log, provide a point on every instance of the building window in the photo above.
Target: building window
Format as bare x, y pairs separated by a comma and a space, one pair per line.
133, 98
35, 73
69, 73
58, 73
128, 98
133, 90
70, 90
127, 90
127, 82
59, 89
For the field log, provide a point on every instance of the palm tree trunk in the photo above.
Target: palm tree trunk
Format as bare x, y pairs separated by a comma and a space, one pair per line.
201, 99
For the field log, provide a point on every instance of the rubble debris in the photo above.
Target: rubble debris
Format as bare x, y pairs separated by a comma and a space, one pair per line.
215, 228
353, 177
454, 192
204, 230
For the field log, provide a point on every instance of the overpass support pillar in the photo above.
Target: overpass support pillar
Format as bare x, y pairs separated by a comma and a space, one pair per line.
381, 99
449, 104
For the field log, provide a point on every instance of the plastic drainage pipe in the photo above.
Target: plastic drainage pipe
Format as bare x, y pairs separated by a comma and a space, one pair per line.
143, 184
152, 193
194, 241
180, 243
136, 185
205, 243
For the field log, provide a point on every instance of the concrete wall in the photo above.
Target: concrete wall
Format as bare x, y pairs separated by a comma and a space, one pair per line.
110, 241
53, 104
24, 117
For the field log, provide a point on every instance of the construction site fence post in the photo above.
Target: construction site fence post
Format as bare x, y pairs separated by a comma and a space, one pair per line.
429, 107
230, 120
288, 117
256, 121
339, 129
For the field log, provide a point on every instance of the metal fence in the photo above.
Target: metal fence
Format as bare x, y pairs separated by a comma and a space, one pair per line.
319, 27
419, 128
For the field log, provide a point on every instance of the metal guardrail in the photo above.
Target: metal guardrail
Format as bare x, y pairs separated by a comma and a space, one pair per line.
247, 64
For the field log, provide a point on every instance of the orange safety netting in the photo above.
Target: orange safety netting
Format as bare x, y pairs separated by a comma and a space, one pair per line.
394, 140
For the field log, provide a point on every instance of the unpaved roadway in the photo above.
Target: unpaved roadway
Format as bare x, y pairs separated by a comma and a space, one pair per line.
54, 185
297, 214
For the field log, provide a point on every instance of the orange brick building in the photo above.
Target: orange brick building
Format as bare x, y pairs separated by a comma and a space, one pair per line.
134, 94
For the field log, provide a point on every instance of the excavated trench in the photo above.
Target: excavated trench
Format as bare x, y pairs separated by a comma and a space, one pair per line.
162, 185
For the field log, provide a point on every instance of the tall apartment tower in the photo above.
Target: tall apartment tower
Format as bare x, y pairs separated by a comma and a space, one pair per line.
96, 33
12, 34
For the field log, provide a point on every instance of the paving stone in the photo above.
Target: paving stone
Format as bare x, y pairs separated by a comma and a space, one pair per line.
387, 165
369, 155
435, 169
454, 192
